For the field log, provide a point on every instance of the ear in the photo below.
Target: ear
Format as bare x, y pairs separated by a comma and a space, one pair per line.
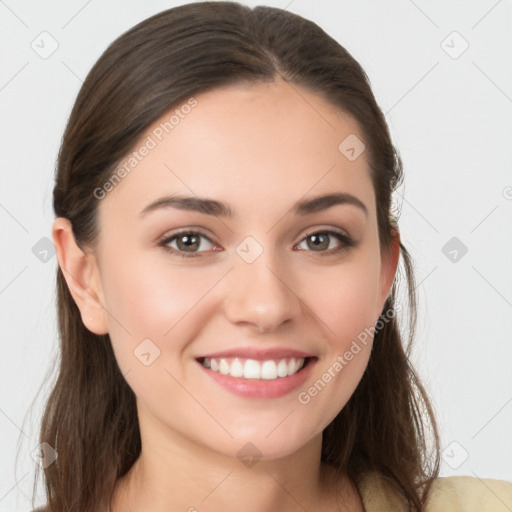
389, 264
82, 276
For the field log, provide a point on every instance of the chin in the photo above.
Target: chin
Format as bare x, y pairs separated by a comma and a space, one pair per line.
264, 446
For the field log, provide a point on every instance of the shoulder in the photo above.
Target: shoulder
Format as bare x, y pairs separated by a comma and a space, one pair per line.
470, 494
454, 493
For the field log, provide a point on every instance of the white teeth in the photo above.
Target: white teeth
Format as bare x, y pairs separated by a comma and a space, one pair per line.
282, 368
237, 368
269, 370
224, 367
252, 369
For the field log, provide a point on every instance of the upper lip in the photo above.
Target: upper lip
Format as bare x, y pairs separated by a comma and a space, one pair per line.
257, 353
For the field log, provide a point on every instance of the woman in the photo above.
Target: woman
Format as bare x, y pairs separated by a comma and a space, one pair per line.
227, 282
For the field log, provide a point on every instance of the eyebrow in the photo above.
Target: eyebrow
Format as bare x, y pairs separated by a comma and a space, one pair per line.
217, 208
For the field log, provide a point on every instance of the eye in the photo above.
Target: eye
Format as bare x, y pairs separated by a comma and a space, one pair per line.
320, 241
187, 243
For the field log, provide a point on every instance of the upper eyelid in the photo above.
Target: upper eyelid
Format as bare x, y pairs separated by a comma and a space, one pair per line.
336, 231
166, 238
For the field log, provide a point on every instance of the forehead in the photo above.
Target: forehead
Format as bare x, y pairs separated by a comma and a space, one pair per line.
253, 146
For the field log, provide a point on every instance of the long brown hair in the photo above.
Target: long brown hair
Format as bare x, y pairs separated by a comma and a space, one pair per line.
91, 417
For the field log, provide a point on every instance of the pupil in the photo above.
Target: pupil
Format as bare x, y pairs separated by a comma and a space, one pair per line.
189, 242
317, 243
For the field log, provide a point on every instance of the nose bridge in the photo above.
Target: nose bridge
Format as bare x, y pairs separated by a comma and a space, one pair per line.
258, 291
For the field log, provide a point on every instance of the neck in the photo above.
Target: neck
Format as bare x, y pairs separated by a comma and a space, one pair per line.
173, 473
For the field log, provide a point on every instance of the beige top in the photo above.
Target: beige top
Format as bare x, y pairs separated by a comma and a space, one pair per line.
447, 494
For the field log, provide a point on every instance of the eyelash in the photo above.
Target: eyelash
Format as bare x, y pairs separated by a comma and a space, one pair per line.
346, 243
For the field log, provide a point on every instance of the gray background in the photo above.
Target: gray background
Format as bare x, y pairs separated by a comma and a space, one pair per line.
449, 112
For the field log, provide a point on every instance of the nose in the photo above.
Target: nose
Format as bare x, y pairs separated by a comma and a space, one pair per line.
260, 294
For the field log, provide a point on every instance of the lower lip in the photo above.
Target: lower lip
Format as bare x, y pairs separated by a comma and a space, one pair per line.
261, 388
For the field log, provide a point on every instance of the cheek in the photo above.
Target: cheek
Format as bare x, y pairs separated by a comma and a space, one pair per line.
149, 297
156, 301
345, 302
150, 301
344, 298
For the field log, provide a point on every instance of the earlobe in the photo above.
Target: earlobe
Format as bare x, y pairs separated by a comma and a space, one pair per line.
82, 277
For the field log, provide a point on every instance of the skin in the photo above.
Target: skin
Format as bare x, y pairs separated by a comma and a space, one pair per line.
258, 148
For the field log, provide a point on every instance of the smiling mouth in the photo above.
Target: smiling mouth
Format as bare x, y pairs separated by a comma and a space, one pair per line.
269, 369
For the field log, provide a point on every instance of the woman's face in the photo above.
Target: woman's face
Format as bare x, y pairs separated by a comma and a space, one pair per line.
196, 297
